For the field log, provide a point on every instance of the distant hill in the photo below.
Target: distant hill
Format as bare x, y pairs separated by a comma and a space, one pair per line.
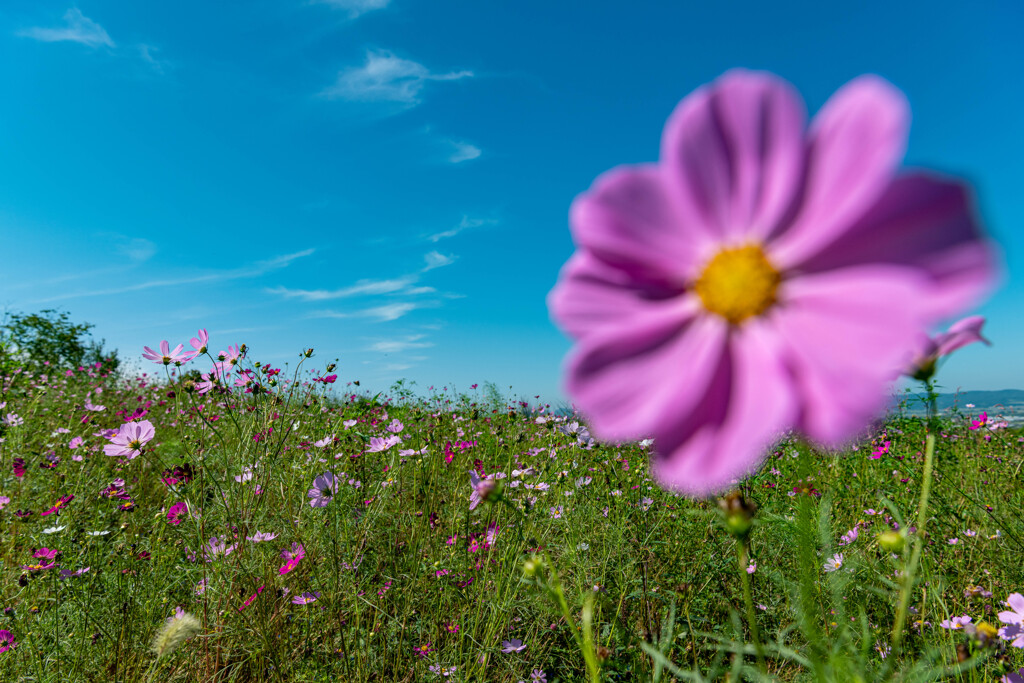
1009, 402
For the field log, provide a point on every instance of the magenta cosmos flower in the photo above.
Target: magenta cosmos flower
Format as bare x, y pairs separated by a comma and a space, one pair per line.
130, 439
760, 277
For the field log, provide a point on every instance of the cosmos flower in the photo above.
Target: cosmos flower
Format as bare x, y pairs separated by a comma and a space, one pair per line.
761, 277
58, 506
166, 356
959, 335
130, 439
834, 563
200, 344
324, 488
177, 513
306, 598
510, 646
7, 640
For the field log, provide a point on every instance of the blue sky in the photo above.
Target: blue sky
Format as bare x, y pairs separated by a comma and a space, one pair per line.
388, 181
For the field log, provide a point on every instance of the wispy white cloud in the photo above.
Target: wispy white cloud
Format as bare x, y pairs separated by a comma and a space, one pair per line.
463, 151
362, 287
148, 55
77, 28
436, 259
255, 270
386, 77
133, 249
466, 223
385, 313
357, 7
414, 341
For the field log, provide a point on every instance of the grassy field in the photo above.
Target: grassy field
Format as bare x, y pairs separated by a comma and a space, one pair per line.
299, 530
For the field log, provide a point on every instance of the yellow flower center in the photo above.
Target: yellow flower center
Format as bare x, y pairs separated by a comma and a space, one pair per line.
135, 445
738, 283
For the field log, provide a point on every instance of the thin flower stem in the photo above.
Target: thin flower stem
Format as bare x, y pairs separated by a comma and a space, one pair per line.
911, 569
742, 563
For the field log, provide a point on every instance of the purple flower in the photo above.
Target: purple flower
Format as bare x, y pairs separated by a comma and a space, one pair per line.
720, 297
378, 444
259, 537
510, 646
959, 335
324, 488
306, 598
7, 640
130, 439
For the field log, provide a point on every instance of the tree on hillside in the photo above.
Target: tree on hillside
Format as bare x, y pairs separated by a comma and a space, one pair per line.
35, 339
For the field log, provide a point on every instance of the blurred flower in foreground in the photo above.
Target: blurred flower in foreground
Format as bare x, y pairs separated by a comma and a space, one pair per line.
959, 335
760, 277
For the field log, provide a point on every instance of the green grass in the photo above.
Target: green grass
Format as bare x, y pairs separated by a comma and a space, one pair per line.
402, 565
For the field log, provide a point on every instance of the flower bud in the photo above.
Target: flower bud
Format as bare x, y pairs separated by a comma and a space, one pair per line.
533, 566
308, 353
738, 514
892, 541
330, 368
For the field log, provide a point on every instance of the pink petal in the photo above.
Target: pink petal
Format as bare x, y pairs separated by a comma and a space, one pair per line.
960, 334
617, 376
920, 221
591, 294
857, 141
749, 402
733, 155
628, 220
165, 346
850, 333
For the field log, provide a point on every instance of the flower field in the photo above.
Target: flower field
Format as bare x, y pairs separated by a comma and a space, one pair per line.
255, 525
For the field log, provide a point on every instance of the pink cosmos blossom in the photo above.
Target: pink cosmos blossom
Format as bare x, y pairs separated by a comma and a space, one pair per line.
91, 407
75, 442
130, 439
481, 488
200, 344
324, 488
177, 513
7, 640
956, 623
1016, 603
761, 277
959, 335
378, 444
249, 600
166, 356
980, 422
306, 598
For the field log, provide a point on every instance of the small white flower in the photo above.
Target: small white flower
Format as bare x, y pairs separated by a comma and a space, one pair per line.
583, 546
96, 533
54, 529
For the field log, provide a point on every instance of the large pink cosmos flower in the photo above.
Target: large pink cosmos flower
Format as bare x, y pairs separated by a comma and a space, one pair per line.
130, 439
761, 277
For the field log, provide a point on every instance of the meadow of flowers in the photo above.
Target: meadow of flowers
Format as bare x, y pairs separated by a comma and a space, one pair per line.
240, 525
739, 312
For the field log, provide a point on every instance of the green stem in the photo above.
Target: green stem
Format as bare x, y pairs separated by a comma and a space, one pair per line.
743, 561
911, 569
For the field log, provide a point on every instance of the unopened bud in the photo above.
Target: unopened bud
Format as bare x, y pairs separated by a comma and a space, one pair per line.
738, 514
532, 566
892, 541
242, 349
330, 368
308, 353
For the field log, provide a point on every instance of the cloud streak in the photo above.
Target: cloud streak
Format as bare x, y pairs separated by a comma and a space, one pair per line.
385, 313
386, 77
463, 151
77, 28
357, 7
466, 223
255, 270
